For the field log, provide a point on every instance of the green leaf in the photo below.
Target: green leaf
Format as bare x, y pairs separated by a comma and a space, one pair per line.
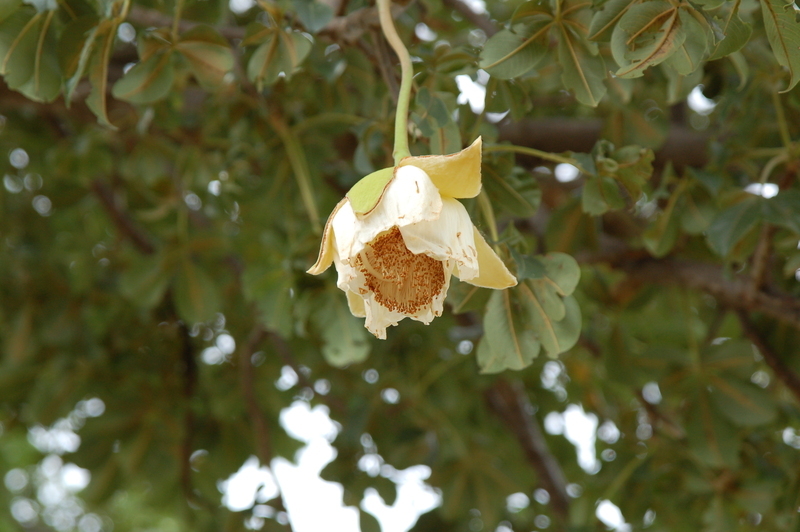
366, 194
346, 341
737, 34
508, 342
7, 7
679, 86
783, 210
145, 281
661, 236
208, 54
743, 403
783, 33
446, 139
646, 35
281, 53
711, 437
516, 193
528, 267
271, 289
552, 312
607, 17
512, 53
691, 53
583, 70
98, 72
196, 295
148, 81
313, 15
75, 50
600, 195
27, 54
732, 224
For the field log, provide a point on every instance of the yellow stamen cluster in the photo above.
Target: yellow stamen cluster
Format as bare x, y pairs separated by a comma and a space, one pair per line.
401, 280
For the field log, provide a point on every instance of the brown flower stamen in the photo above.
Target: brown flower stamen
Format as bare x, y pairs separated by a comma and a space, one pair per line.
402, 281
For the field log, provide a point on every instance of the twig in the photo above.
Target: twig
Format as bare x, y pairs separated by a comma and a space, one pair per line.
257, 418
782, 371
671, 428
479, 19
708, 278
283, 350
760, 263
122, 220
510, 403
386, 65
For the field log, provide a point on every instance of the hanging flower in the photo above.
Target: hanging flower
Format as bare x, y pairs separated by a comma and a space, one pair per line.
400, 234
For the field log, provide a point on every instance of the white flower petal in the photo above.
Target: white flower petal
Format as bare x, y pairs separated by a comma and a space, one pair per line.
410, 198
450, 237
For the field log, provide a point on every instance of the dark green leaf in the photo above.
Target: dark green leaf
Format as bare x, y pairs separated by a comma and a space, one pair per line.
732, 224
148, 81
344, 336
743, 403
208, 54
510, 54
583, 70
783, 33
313, 15
196, 296
737, 34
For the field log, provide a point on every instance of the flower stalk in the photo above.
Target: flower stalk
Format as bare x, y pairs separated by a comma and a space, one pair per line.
406, 75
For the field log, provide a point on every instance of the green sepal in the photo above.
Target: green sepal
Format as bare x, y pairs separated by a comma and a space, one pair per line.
367, 193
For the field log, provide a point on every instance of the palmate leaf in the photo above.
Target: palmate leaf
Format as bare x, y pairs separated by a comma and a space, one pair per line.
783, 33
148, 81
646, 35
28, 54
691, 53
196, 295
208, 53
512, 53
732, 224
539, 312
345, 338
583, 70
280, 53
75, 49
98, 71
508, 342
737, 34
607, 17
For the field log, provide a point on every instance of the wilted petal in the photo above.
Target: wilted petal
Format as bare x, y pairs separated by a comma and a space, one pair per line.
457, 175
356, 304
326, 249
450, 237
492, 272
410, 198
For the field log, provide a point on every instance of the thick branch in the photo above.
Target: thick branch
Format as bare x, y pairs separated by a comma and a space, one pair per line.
730, 290
510, 403
122, 220
257, 418
683, 146
478, 19
782, 371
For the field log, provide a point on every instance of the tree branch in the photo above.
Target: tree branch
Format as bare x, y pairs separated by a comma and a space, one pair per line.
730, 290
122, 220
480, 20
510, 403
779, 367
261, 431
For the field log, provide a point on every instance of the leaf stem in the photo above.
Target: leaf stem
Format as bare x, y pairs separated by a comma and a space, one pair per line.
783, 127
533, 152
176, 21
299, 164
407, 73
488, 214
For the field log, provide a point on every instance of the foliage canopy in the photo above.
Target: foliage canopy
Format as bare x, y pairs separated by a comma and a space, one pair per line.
169, 167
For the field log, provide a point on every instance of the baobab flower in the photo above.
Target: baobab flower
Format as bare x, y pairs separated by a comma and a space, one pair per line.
400, 233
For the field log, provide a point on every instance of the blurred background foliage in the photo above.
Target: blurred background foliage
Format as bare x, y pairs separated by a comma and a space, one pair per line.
168, 165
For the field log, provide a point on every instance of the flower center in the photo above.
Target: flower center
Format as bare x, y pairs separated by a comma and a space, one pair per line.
402, 281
